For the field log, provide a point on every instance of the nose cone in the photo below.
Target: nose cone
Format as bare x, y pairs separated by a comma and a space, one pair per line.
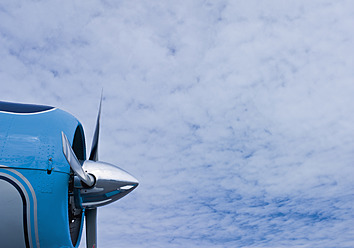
112, 183
106, 171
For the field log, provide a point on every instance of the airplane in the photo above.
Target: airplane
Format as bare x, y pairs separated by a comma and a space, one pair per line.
47, 184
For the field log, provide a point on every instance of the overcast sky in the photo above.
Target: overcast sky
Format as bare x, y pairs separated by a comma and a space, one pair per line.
235, 116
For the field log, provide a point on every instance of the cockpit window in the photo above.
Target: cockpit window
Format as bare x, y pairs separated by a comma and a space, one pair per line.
22, 108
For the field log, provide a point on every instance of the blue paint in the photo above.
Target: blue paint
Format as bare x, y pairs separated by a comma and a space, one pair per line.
29, 141
113, 193
30, 148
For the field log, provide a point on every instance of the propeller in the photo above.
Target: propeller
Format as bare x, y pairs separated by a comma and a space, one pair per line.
99, 184
94, 146
91, 214
74, 163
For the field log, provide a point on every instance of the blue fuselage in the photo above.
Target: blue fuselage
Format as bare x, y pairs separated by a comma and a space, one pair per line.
35, 176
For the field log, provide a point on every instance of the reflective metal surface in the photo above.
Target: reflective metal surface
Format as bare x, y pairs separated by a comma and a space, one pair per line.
74, 163
112, 183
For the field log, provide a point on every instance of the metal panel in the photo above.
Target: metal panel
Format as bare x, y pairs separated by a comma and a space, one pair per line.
34, 140
13, 215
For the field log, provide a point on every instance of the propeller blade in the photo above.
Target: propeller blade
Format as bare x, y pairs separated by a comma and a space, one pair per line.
94, 146
111, 183
91, 228
74, 162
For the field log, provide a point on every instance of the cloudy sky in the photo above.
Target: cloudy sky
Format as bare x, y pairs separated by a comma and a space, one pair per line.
235, 116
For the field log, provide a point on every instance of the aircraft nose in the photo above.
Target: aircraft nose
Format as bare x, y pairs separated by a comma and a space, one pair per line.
111, 184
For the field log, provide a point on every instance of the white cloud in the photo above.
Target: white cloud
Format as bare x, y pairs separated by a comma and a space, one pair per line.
234, 116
